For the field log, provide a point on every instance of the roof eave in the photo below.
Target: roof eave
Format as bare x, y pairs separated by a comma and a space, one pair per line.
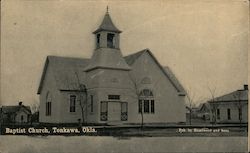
104, 67
178, 90
101, 29
43, 75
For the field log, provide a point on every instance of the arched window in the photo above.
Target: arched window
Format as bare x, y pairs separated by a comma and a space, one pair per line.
146, 80
48, 104
146, 102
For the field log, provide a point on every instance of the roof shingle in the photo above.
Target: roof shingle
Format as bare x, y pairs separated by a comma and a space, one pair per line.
69, 70
233, 96
107, 25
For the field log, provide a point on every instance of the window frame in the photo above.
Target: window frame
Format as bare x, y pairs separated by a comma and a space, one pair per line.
114, 97
48, 108
111, 43
229, 114
240, 114
104, 114
48, 104
98, 38
152, 106
91, 103
146, 108
218, 114
72, 104
140, 105
146, 98
124, 114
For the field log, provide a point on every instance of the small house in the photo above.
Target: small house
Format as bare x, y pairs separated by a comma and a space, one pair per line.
230, 108
15, 114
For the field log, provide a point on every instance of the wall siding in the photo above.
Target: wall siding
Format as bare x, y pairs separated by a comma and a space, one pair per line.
49, 85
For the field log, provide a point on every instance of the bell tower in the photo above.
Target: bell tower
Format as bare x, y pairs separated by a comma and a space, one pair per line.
107, 35
107, 75
107, 52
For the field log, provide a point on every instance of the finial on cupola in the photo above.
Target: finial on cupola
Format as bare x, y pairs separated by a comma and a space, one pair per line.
107, 9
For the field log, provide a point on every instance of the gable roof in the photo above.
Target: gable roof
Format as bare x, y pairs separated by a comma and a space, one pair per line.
14, 109
204, 107
233, 96
107, 25
110, 59
67, 71
130, 59
174, 79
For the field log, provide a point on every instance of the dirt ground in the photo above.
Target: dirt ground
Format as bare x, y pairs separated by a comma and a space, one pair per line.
104, 144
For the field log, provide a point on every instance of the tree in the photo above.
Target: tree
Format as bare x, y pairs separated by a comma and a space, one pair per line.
190, 103
83, 99
213, 105
35, 106
237, 96
137, 91
35, 112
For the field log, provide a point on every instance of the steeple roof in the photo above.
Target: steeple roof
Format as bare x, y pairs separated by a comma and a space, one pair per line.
107, 25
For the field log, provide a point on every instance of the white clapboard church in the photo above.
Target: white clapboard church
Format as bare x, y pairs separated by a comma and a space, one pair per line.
110, 87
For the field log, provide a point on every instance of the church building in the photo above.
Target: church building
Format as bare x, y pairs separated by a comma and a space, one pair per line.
110, 88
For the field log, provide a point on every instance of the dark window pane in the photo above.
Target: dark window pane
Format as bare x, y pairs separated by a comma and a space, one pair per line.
48, 108
98, 40
92, 103
146, 106
228, 114
72, 103
240, 114
114, 97
110, 40
218, 114
124, 111
48, 104
140, 106
104, 111
152, 106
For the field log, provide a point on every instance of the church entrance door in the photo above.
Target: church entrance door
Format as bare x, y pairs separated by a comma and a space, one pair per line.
114, 111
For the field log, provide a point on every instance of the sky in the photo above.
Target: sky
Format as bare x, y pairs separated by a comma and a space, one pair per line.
204, 42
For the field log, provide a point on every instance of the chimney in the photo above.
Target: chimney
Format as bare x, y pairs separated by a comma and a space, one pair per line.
245, 87
20, 103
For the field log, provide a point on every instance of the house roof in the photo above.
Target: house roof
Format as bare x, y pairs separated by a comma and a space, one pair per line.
106, 58
130, 59
233, 96
174, 79
107, 25
166, 70
67, 71
204, 106
14, 109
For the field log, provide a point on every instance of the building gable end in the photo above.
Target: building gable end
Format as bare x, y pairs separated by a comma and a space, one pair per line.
180, 90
